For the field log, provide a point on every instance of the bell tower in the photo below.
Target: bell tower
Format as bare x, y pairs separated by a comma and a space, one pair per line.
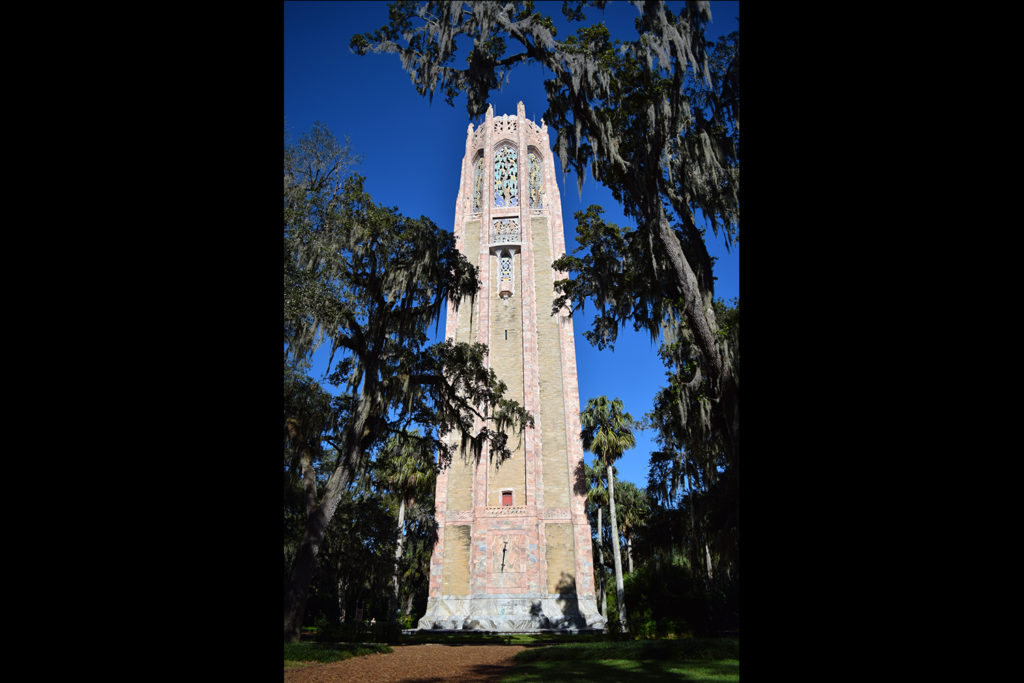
514, 545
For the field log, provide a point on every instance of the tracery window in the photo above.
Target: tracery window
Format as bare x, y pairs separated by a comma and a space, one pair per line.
506, 180
536, 184
478, 184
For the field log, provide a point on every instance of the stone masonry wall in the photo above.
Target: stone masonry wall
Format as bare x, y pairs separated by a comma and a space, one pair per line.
552, 414
506, 359
460, 476
561, 558
456, 560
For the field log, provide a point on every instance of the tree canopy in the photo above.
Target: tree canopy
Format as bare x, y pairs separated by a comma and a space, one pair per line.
655, 119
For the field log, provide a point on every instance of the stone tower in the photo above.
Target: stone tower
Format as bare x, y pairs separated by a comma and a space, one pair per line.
514, 544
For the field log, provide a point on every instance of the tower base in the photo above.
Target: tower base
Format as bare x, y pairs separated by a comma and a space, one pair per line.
512, 613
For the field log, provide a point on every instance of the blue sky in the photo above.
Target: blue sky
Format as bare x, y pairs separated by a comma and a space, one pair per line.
412, 153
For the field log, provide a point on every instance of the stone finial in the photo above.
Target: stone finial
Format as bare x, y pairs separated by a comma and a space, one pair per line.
469, 131
490, 112
521, 110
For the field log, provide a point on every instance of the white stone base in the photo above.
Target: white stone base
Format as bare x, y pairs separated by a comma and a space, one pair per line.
511, 613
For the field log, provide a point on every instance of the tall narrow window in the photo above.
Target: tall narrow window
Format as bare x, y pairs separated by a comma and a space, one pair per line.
505, 278
506, 498
536, 184
506, 177
478, 184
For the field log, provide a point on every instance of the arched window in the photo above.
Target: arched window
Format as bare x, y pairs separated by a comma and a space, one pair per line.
478, 183
506, 266
506, 176
505, 274
536, 182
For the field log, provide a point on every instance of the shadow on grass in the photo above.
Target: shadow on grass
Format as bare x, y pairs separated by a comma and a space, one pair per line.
688, 660
681, 649
715, 671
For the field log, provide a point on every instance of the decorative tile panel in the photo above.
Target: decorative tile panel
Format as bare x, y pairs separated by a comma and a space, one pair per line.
505, 511
505, 231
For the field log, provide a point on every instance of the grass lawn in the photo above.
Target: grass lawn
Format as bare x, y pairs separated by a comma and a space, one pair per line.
300, 654
654, 660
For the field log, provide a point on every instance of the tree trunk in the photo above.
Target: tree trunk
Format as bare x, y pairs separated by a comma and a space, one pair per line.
703, 325
398, 558
297, 590
305, 558
600, 564
694, 305
341, 601
620, 590
305, 457
408, 605
629, 552
688, 482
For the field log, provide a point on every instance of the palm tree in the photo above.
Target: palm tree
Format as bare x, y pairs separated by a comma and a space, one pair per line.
633, 508
607, 433
406, 468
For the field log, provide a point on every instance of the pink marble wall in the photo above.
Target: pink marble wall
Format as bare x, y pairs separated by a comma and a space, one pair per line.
522, 526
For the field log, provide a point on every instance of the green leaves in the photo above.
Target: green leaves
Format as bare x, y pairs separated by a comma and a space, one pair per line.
655, 119
607, 429
464, 391
316, 175
371, 281
619, 273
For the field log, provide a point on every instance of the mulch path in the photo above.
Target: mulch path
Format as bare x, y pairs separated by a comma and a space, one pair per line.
431, 663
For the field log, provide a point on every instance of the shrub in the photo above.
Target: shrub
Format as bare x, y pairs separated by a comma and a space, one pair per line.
380, 632
665, 600
326, 652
